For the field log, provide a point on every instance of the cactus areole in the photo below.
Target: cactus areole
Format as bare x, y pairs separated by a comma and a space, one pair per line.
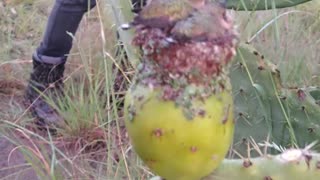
179, 109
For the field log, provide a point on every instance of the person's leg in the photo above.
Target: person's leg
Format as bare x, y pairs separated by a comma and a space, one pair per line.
51, 55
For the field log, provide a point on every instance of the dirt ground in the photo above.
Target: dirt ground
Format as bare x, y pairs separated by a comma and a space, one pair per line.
15, 166
12, 163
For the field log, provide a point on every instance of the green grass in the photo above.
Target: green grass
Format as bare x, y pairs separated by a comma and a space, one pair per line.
94, 144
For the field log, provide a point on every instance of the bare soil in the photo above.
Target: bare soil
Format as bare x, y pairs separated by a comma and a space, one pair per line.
13, 165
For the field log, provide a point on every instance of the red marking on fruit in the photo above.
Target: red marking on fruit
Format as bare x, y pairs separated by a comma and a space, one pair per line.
202, 112
247, 163
157, 132
193, 149
168, 93
150, 162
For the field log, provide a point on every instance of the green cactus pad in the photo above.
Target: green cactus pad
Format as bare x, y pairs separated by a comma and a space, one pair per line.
263, 108
293, 164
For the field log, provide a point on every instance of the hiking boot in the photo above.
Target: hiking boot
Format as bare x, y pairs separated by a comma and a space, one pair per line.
45, 82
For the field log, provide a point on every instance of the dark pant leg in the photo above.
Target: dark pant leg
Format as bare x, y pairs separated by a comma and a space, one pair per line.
65, 17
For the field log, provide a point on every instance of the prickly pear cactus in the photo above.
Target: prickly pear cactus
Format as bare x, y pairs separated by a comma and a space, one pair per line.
179, 109
169, 142
264, 109
293, 164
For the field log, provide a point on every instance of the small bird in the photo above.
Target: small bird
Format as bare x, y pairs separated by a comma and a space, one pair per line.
164, 14
208, 23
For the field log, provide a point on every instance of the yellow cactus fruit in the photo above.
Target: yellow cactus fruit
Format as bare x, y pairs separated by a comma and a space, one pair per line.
172, 145
179, 109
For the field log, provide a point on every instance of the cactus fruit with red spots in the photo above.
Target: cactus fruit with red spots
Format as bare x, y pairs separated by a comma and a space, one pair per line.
179, 109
